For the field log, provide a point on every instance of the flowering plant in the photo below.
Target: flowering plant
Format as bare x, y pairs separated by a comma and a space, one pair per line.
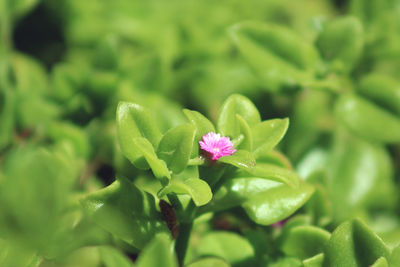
161, 184
190, 183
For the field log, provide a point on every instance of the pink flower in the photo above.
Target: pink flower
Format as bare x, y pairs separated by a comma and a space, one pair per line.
217, 145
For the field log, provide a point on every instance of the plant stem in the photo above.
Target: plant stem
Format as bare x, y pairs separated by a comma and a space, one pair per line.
182, 241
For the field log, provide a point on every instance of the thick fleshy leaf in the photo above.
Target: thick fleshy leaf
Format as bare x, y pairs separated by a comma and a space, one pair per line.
198, 189
394, 258
209, 262
30, 75
276, 158
341, 43
277, 203
228, 124
250, 191
176, 146
114, 258
272, 172
278, 55
159, 252
134, 121
286, 262
315, 261
203, 125
12, 255
360, 176
126, 212
354, 244
381, 262
70, 133
267, 134
244, 129
237, 190
229, 246
157, 165
304, 241
241, 159
368, 120
383, 90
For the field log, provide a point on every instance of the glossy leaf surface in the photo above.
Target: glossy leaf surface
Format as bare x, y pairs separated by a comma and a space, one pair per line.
126, 212
134, 121
229, 246
228, 124
176, 146
159, 252
198, 189
267, 134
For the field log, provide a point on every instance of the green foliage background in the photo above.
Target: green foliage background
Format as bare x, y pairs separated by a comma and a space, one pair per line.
80, 186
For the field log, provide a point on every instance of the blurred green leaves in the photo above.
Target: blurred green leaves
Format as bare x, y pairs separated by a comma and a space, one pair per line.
341, 43
333, 71
278, 55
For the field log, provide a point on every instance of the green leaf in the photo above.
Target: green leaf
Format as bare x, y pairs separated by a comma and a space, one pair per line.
341, 43
360, 176
241, 159
267, 134
276, 158
229, 246
286, 262
304, 241
39, 178
278, 55
62, 131
12, 255
272, 172
315, 261
126, 212
114, 258
66, 80
203, 125
176, 146
394, 259
34, 111
368, 244
354, 244
209, 262
340, 250
237, 190
157, 165
368, 120
244, 129
383, 90
381, 262
265, 201
134, 121
277, 203
228, 124
198, 189
159, 252
30, 75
